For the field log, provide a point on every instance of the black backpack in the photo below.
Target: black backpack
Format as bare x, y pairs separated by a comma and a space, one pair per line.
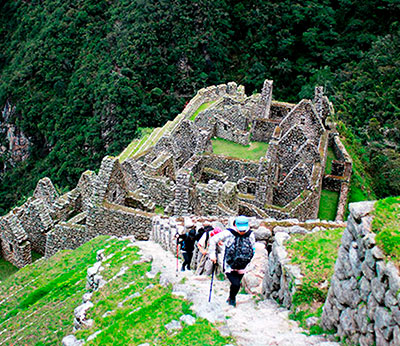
239, 254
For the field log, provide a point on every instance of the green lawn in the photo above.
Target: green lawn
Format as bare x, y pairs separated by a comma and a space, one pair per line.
330, 157
315, 254
328, 205
6, 269
386, 225
202, 107
254, 151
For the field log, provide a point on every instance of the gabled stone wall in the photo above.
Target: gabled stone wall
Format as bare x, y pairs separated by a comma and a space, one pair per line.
15, 247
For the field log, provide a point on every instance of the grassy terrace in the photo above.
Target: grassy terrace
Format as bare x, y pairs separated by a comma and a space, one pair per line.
328, 205
37, 302
315, 254
254, 151
135, 145
201, 108
386, 225
6, 269
330, 157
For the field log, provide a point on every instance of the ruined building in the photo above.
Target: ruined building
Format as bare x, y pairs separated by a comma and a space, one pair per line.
175, 170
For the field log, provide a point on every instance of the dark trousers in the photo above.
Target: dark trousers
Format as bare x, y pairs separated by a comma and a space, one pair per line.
187, 256
235, 278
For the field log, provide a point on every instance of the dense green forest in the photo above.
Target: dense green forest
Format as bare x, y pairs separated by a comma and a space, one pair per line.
86, 75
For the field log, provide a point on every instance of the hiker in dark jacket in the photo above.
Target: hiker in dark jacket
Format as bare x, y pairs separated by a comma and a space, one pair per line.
186, 242
239, 250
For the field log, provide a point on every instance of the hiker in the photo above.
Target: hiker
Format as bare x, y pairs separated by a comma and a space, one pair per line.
205, 265
186, 242
239, 250
196, 253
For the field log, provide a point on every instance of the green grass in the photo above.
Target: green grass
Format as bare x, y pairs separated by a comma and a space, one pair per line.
315, 254
201, 108
328, 205
37, 302
6, 269
329, 158
135, 145
386, 225
253, 152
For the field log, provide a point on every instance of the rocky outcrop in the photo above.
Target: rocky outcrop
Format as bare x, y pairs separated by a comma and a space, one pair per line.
363, 300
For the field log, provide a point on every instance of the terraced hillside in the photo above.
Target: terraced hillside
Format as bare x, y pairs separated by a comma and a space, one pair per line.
37, 303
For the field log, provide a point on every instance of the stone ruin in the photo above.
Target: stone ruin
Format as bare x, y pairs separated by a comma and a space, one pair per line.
176, 171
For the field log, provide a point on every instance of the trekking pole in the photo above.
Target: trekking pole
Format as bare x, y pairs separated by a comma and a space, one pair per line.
212, 280
177, 264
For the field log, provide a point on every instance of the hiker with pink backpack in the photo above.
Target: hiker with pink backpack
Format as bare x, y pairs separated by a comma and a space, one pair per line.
239, 250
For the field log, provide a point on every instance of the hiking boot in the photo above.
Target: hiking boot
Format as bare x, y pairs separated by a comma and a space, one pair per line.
231, 302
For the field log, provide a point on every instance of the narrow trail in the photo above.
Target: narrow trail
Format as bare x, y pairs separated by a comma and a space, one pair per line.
251, 323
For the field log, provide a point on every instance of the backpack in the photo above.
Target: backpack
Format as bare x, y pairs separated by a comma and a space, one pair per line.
207, 230
239, 254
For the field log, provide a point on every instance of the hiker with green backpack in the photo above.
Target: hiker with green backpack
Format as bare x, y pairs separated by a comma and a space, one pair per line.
239, 250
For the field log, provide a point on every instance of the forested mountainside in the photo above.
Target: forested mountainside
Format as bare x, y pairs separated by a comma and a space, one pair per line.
85, 76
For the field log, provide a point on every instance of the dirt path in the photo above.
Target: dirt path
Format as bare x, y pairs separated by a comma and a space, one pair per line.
251, 323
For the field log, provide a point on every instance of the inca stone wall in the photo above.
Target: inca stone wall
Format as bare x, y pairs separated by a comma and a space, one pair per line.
46, 191
176, 171
339, 178
265, 100
262, 129
363, 300
282, 278
15, 246
36, 221
235, 169
119, 221
279, 110
66, 236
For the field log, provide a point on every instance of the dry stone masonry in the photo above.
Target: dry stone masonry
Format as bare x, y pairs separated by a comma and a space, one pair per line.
177, 171
363, 300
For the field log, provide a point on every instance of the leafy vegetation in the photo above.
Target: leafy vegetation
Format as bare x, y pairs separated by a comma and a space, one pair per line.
315, 254
254, 151
86, 75
328, 205
386, 225
37, 302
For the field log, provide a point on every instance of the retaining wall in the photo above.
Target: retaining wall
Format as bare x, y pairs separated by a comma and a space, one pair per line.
363, 300
282, 279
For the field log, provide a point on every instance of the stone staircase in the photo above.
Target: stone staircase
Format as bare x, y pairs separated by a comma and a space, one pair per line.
251, 323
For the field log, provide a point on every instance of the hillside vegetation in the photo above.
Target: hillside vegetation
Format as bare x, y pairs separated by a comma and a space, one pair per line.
85, 75
37, 303
386, 225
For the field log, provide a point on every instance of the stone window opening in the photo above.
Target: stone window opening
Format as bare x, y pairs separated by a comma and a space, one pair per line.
303, 120
11, 247
250, 190
225, 127
114, 196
